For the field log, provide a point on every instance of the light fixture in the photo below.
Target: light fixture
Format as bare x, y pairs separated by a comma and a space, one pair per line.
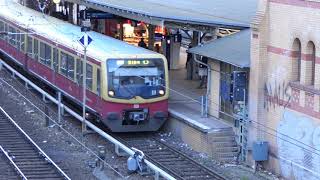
56, 1
161, 92
111, 93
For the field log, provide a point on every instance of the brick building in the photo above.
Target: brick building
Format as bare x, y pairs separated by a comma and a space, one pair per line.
284, 99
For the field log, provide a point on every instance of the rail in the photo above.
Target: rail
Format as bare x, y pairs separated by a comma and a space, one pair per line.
33, 143
156, 169
14, 164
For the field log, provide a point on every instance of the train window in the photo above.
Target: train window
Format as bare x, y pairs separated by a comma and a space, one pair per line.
22, 43
55, 59
89, 76
17, 39
29, 46
63, 63
6, 30
2, 36
79, 71
67, 65
98, 82
35, 49
70, 65
45, 54
12, 37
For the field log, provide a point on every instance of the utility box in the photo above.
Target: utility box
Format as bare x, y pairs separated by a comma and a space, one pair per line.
260, 150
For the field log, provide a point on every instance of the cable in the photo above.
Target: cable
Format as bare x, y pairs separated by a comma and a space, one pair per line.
60, 126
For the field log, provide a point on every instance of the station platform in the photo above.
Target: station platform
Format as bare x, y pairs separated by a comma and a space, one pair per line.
208, 135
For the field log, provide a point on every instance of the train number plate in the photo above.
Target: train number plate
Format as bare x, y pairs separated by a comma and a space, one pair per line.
136, 106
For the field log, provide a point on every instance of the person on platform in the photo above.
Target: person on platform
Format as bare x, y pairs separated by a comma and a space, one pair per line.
203, 72
142, 43
189, 64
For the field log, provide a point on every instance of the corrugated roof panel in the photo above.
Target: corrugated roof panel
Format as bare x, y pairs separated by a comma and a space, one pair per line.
227, 12
233, 49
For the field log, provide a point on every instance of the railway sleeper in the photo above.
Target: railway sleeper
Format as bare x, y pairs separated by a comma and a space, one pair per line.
160, 152
161, 156
11, 136
32, 167
47, 176
34, 160
27, 156
29, 169
200, 177
173, 161
22, 151
12, 141
28, 164
50, 171
195, 173
5, 132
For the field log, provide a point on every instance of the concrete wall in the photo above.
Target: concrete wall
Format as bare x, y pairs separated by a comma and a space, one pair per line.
284, 97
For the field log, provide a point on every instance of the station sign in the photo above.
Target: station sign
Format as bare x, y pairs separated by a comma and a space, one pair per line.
94, 14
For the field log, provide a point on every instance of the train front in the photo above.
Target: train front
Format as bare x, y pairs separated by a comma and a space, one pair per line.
137, 93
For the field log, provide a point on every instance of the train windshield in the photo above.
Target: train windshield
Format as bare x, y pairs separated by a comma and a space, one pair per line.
140, 77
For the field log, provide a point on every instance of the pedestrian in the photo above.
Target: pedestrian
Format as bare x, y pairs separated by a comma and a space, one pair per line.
142, 43
189, 63
203, 72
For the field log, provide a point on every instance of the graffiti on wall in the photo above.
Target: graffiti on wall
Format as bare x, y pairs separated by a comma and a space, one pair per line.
276, 90
302, 148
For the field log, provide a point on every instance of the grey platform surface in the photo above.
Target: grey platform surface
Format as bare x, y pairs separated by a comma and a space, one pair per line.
184, 101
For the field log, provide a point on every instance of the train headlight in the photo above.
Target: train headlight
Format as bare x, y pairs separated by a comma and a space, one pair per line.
111, 93
161, 92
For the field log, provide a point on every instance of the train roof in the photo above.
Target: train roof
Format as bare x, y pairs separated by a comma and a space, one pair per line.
61, 32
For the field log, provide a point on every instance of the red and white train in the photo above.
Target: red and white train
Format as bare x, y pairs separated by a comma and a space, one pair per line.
127, 86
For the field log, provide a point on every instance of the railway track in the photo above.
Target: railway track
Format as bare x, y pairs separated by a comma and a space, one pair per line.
28, 160
169, 159
7, 171
165, 157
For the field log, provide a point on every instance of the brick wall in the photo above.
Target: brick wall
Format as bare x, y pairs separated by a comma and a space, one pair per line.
285, 83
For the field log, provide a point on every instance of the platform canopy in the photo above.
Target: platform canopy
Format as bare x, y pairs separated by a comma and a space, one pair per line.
233, 49
185, 14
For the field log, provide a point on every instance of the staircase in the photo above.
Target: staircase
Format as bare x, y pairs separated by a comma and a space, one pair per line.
224, 145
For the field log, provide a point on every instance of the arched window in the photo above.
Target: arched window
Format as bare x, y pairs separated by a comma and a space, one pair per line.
296, 61
310, 60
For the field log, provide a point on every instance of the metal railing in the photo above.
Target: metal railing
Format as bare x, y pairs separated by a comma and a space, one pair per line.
126, 149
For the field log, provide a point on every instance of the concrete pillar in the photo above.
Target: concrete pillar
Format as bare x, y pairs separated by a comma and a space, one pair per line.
195, 41
70, 13
151, 40
75, 14
121, 33
215, 88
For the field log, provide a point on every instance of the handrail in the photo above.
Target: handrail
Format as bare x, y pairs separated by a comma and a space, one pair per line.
93, 127
13, 163
43, 153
